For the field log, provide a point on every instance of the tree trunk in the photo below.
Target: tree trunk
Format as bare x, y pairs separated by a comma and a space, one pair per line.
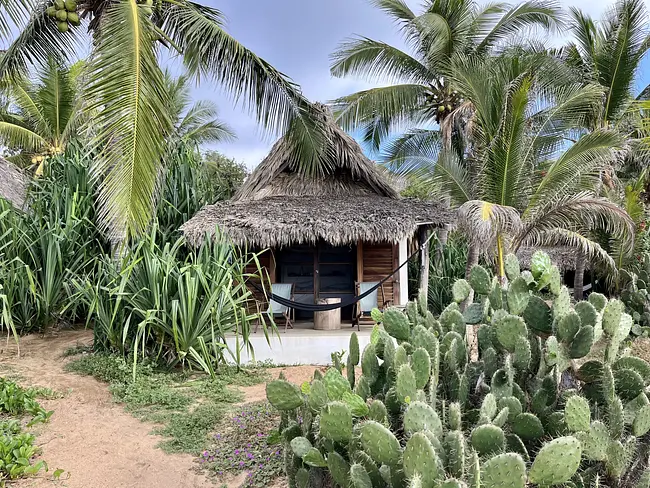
472, 258
424, 263
443, 236
578, 280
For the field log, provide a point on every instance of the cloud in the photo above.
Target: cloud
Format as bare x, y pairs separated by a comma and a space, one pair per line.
297, 37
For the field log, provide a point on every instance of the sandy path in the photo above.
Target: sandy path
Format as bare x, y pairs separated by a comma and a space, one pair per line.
94, 440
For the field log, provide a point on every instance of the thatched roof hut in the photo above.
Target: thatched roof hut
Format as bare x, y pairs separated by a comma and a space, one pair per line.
324, 232
352, 201
13, 183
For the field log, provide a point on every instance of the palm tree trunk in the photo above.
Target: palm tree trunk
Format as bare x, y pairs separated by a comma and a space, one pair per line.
424, 263
578, 280
472, 258
443, 236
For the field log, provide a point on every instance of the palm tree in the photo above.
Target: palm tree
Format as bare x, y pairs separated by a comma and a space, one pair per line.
124, 86
421, 91
520, 184
609, 53
39, 119
193, 124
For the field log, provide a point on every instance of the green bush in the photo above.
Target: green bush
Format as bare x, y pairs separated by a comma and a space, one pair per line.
429, 412
173, 305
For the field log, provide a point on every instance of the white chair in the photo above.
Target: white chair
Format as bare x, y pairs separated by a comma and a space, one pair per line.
282, 290
370, 302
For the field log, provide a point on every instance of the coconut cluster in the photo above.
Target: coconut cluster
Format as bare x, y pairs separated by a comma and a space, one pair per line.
444, 103
51, 151
64, 12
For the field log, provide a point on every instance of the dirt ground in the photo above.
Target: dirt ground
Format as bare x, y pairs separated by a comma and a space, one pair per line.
90, 437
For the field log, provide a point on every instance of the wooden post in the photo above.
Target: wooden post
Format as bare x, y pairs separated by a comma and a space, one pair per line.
424, 262
360, 261
272, 267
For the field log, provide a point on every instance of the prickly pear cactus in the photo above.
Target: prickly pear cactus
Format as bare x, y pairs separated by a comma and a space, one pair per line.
426, 413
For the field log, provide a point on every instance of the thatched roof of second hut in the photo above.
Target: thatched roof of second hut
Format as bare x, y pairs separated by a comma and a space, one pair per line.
13, 183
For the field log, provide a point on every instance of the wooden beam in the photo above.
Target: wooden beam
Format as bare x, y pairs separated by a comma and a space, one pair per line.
424, 262
272, 267
395, 278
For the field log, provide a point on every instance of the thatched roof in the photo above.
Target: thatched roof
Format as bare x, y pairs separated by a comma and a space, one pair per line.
354, 200
354, 173
13, 183
280, 221
562, 256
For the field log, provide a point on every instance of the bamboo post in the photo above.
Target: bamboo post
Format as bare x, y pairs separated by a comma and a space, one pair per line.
424, 262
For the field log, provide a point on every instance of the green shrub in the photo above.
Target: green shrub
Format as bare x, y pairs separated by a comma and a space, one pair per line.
518, 410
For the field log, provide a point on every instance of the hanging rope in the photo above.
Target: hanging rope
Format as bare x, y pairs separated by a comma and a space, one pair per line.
308, 307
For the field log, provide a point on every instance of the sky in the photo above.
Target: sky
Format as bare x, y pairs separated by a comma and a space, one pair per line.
297, 37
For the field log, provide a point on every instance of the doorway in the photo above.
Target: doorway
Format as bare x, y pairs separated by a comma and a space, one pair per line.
320, 271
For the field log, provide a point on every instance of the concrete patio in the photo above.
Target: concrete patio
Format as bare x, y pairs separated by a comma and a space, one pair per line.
303, 344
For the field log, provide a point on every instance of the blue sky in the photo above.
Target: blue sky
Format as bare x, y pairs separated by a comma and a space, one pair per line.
297, 37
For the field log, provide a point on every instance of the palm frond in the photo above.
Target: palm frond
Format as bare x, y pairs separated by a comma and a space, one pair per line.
483, 221
377, 61
379, 111
533, 13
22, 95
423, 144
584, 30
126, 87
12, 12
18, 137
56, 97
453, 178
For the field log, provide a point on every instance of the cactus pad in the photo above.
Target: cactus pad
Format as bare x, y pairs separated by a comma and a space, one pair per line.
629, 384
356, 404
504, 471
489, 406
587, 312
562, 303
377, 412
359, 477
420, 459
474, 314
555, 425
634, 363
362, 388
488, 439
455, 416
314, 458
567, 327
317, 395
538, 315
502, 417
612, 316
421, 364
370, 364
540, 262
455, 448
300, 446
512, 267
556, 462
420, 417
616, 459
496, 294
508, 329
405, 385
461, 290
582, 342
598, 300
338, 468
591, 371
336, 384
522, 353
397, 324
512, 404
480, 280
336, 422
380, 443
452, 320
527, 426
518, 296
577, 414
595, 441
284, 395
641, 424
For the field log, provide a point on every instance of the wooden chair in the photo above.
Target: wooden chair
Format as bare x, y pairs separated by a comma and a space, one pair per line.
367, 304
283, 290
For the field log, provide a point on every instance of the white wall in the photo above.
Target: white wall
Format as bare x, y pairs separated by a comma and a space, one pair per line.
403, 276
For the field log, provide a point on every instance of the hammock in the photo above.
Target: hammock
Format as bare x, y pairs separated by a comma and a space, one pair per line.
308, 307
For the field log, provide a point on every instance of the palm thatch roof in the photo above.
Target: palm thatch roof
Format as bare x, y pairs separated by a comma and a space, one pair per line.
13, 183
563, 257
352, 200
